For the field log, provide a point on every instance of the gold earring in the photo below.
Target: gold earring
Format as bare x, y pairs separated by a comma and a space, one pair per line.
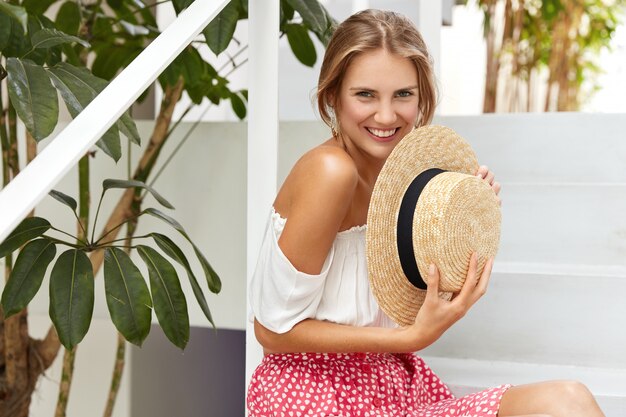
334, 128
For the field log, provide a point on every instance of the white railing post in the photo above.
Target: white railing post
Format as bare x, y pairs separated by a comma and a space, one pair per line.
429, 24
263, 20
22, 194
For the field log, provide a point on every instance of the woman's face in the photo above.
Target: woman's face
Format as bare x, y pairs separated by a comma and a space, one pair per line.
377, 103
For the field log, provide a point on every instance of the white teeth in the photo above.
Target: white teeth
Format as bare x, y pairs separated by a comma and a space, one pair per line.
382, 133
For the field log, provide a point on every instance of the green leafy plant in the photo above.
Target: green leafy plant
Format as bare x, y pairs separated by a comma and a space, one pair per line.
545, 45
129, 300
73, 52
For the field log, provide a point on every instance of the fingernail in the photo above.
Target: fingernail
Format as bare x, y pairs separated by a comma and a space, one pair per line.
431, 269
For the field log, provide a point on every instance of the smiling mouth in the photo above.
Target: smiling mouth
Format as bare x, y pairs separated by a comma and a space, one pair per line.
382, 133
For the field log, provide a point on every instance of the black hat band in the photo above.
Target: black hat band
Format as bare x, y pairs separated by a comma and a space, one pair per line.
404, 231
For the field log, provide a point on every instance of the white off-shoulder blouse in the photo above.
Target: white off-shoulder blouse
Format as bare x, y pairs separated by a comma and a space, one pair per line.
281, 296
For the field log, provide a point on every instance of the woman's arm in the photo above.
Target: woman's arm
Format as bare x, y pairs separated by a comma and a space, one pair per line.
316, 200
433, 319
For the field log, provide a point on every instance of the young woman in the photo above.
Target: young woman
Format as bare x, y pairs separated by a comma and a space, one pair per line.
310, 292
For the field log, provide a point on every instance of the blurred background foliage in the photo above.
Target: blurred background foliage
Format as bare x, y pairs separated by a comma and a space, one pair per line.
542, 55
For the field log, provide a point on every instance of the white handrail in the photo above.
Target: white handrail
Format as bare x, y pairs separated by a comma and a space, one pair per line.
22, 194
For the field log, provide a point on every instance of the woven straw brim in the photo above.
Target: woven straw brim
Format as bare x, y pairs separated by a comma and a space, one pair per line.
424, 148
456, 215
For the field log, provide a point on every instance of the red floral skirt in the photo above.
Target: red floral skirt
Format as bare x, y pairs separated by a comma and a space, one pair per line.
359, 385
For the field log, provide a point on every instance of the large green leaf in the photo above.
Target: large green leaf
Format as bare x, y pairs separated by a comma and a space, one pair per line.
82, 79
5, 31
325, 36
71, 296
243, 8
68, 18
215, 285
193, 66
174, 252
36, 7
79, 87
238, 105
219, 32
64, 198
111, 183
33, 96
127, 296
115, 4
286, 12
15, 12
312, 13
18, 43
111, 58
27, 275
169, 301
127, 126
301, 44
28, 229
47, 38
180, 5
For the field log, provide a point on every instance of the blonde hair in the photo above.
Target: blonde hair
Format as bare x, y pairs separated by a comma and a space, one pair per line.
370, 30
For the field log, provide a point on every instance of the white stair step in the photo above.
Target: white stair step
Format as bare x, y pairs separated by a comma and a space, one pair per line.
464, 376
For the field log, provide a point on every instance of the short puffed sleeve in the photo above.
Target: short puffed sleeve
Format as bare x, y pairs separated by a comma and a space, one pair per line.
281, 296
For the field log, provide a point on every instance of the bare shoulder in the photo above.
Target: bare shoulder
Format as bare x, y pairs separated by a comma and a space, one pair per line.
315, 199
323, 172
326, 167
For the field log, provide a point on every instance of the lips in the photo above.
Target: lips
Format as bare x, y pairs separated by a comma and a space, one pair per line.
382, 135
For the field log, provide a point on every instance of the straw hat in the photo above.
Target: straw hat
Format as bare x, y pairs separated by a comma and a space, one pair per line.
456, 214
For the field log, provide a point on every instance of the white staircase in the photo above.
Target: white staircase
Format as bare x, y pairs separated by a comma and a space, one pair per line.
556, 306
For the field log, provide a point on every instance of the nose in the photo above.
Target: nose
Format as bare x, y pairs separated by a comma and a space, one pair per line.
385, 114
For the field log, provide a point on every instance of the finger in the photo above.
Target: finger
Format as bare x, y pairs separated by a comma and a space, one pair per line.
496, 187
483, 282
490, 177
470, 279
432, 289
482, 171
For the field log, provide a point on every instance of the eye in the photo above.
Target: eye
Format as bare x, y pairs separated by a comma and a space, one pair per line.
364, 94
405, 93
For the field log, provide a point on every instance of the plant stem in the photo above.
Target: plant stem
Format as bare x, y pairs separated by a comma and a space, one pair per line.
16, 385
124, 239
95, 220
62, 242
66, 381
4, 144
13, 159
82, 242
121, 212
108, 232
84, 193
118, 371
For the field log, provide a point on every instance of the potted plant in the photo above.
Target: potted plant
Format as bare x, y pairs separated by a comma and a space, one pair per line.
74, 53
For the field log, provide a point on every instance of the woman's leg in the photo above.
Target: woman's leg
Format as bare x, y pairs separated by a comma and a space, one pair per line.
553, 398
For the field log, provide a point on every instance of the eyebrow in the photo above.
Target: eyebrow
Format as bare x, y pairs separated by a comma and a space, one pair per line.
413, 87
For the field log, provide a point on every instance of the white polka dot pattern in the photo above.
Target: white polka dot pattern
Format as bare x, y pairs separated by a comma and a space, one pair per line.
359, 385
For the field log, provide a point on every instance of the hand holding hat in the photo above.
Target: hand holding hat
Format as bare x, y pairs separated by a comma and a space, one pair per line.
428, 207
